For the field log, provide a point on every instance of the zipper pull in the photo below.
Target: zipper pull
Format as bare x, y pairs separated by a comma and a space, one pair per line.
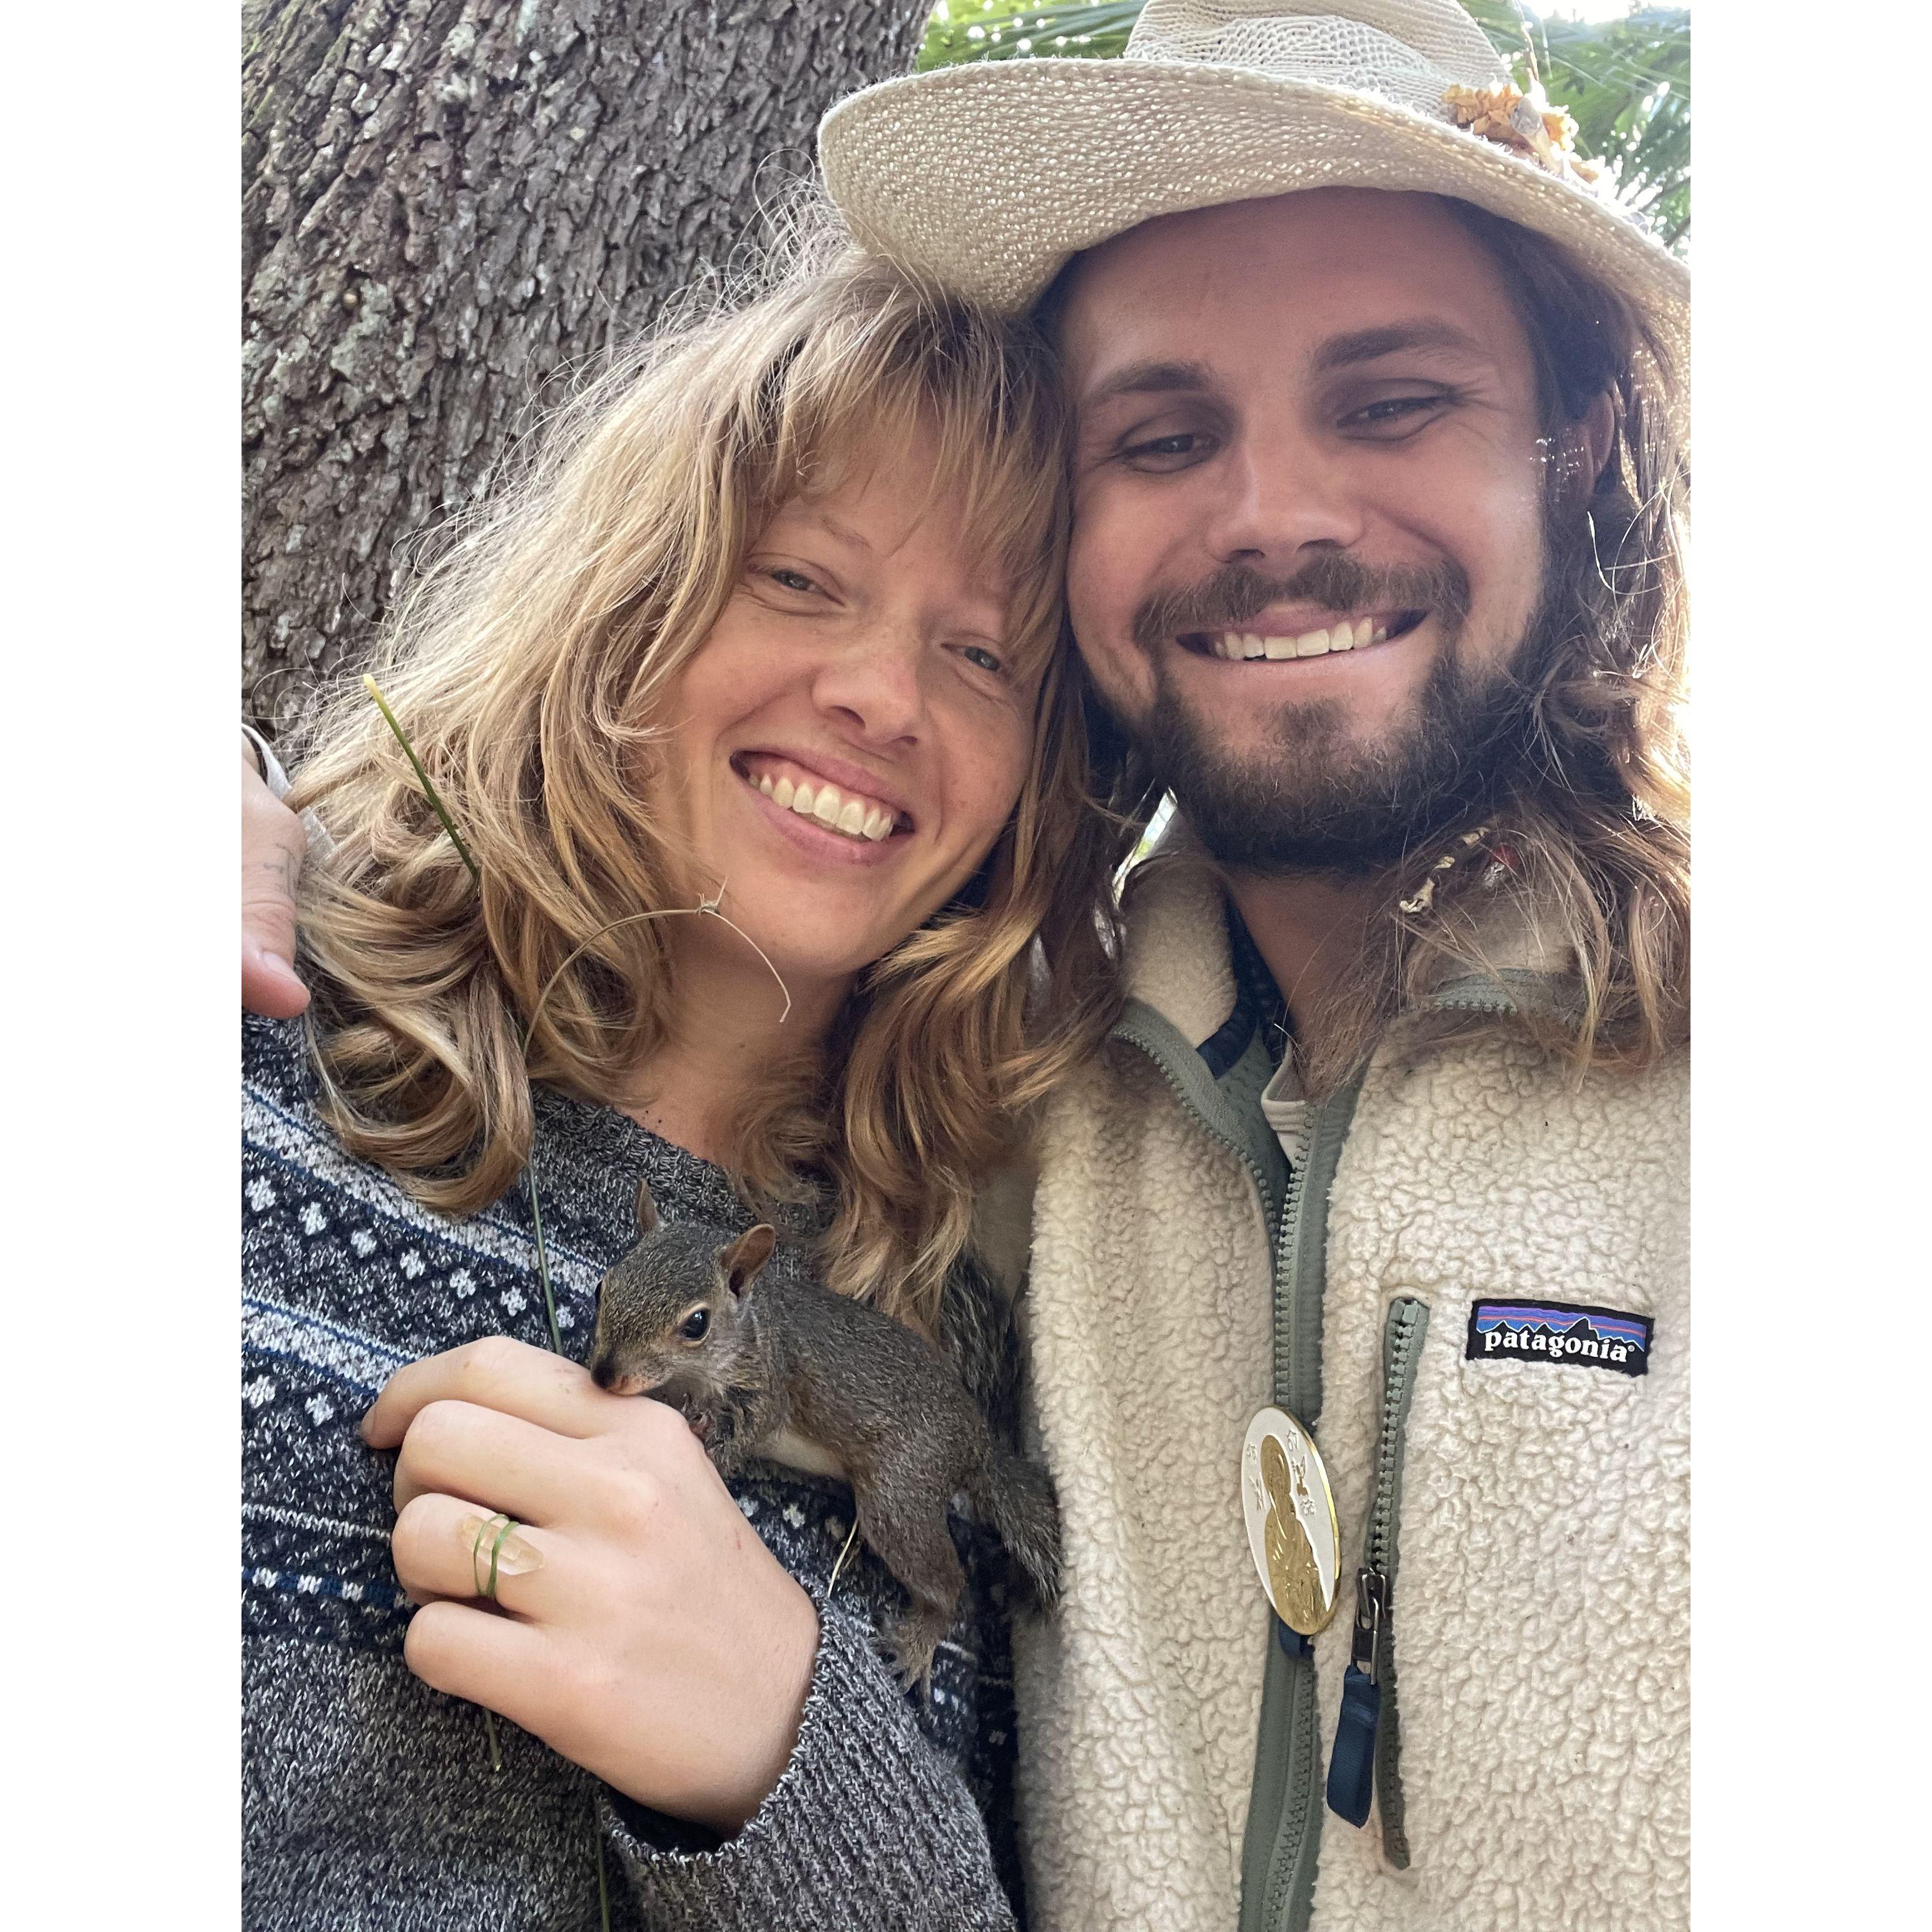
1351, 1764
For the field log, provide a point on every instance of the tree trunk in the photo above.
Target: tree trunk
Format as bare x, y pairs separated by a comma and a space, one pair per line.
446, 201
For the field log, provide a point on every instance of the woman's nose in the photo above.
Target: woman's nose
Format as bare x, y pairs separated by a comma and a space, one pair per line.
876, 683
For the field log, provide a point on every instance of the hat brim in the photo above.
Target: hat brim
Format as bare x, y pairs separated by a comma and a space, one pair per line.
988, 177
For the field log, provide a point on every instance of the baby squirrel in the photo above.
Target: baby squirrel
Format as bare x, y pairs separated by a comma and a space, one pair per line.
689, 1316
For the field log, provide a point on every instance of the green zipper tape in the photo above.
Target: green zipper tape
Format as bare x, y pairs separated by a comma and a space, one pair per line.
1406, 1324
1285, 1806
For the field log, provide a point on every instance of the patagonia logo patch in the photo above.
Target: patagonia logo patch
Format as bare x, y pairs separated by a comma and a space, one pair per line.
1559, 1331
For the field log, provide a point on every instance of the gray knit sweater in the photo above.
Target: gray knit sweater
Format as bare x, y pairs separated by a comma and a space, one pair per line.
369, 1800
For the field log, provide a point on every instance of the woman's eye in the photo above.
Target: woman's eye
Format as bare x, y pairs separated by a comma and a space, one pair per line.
695, 1325
986, 660
791, 580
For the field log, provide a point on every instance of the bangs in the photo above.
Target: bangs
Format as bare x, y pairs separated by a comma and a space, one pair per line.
904, 367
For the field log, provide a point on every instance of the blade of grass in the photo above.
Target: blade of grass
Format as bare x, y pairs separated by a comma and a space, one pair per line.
597, 1852
708, 907
422, 777
543, 1262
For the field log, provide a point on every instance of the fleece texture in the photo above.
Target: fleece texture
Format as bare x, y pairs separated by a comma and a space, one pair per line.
1539, 1609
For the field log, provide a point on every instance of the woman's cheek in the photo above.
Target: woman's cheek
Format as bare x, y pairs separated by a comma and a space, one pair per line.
999, 782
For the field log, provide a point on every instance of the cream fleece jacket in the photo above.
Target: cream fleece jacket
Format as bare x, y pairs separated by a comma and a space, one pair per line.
1540, 1619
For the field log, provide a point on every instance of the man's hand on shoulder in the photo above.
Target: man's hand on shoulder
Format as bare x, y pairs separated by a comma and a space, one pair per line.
273, 847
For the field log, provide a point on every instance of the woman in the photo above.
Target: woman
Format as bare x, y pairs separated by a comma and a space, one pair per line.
772, 628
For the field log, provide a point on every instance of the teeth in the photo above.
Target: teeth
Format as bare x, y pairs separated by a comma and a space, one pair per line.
1238, 646
855, 817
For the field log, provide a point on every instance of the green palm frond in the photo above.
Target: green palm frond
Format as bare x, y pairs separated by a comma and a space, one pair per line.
1626, 83
967, 30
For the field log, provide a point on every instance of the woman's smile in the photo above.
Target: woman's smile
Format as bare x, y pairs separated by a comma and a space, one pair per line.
852, 809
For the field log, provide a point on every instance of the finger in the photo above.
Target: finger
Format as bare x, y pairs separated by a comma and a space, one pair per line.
269, 984
273, 847
490, 1660
497, 1462
499, 1373
445, 1547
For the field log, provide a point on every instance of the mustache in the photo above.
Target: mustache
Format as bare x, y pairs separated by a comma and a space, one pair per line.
1237, 591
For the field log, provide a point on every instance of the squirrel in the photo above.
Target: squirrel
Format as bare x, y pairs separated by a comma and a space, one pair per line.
689, 1315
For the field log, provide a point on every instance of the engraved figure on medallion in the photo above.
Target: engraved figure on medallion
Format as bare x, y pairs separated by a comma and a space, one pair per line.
1295, 1576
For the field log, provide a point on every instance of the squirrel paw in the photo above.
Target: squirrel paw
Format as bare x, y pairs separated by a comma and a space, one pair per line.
908, 1645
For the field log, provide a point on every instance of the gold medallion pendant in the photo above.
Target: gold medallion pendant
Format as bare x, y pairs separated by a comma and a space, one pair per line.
1291, 1515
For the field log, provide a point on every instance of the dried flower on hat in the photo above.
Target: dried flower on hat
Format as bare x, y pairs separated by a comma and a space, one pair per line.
1528, 123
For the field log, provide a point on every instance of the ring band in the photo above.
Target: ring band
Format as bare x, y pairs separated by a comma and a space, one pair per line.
487, 1586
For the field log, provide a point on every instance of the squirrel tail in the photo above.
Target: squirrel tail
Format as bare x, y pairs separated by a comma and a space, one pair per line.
1016, 1494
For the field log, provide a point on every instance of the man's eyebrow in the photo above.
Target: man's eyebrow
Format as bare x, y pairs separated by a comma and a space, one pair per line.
1150, 378
1369, 345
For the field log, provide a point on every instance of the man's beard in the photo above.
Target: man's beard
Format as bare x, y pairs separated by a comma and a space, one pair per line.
1316, 800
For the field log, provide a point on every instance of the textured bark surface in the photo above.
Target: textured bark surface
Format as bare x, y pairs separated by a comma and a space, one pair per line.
445, 202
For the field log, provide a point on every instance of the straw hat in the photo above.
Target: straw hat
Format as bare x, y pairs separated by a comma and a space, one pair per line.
989, 176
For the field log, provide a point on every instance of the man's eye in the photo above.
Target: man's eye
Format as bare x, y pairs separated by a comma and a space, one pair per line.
1169, 452
1394, 412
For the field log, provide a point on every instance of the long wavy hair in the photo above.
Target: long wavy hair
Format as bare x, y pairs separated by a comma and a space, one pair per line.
528, 666
1584, 843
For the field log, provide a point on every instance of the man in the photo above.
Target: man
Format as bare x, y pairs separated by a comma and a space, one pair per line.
1376, 563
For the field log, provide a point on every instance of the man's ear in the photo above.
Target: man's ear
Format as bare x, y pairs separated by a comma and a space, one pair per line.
647, 1209
1598, 429
740, 1263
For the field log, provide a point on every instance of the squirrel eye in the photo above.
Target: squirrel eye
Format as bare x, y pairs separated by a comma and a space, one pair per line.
693, 1326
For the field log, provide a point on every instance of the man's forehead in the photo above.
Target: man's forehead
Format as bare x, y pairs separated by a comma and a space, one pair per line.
1329, 274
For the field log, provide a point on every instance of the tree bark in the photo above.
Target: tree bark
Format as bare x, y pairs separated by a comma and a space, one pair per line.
445, 201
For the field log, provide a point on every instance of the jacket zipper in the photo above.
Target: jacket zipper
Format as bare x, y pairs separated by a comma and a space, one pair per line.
1365, 1759
1278, 1869
1364, 1763
1288, 1756
1284, 1817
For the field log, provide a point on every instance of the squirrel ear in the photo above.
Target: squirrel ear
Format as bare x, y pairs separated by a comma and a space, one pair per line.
741, 1260
647, 1209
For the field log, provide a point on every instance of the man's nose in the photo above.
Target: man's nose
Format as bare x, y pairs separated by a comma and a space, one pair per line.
1280, 498
875, 684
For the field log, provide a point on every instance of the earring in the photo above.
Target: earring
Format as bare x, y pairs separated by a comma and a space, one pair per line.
1424, 897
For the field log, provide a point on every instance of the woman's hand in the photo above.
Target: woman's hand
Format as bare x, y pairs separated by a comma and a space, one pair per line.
640, 1628
273, 847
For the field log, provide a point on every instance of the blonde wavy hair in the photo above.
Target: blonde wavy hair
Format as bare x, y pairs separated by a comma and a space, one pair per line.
1593, 823
528, 666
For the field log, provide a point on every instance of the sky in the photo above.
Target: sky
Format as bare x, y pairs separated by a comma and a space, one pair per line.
1587, 10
